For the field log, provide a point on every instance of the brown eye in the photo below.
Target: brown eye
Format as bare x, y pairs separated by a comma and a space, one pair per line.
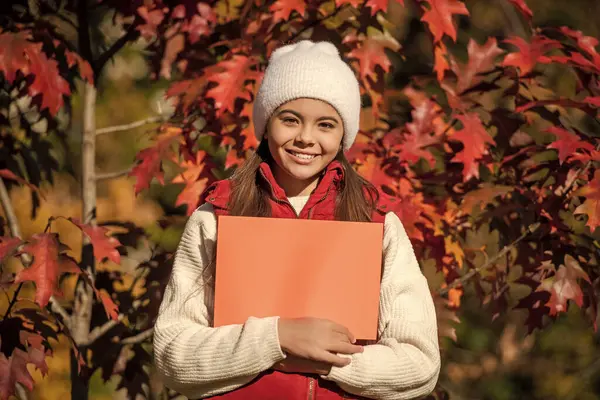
326, 125
289, 121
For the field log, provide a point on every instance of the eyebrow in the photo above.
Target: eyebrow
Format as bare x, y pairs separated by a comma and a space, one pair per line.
297, 114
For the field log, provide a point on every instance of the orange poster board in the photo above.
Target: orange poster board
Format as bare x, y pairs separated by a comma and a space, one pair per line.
299, 268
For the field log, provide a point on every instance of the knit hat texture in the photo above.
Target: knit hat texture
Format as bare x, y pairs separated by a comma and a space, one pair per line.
309, 70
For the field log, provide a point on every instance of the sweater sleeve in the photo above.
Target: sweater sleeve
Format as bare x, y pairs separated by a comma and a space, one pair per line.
405, 362
192, 357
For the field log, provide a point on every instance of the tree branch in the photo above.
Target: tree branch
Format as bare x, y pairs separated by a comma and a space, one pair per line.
130, 35
131, 125
13, 225
140, 337
457, 282
101, 330
112, 175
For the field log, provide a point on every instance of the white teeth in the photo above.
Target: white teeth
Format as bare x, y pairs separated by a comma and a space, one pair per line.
304, 156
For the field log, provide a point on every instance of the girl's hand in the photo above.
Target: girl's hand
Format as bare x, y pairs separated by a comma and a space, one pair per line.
317, 339
293, 364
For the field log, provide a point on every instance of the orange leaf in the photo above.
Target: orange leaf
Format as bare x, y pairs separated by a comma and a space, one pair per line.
282, 9
591, 206
105, 247
567, 143
47, 266
529, 54
230, 76
482, 197
523, 8
439, 17
481, 59
370, 53
474, 138
441, 62
112, 311
564, 286
85, 70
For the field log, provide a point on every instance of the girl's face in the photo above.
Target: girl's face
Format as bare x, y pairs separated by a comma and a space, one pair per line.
304, 136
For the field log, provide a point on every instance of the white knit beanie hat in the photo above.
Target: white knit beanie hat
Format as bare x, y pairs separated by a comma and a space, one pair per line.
309, 70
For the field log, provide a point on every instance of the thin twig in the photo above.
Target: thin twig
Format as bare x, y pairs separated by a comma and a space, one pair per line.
112, 175
140, 337
131, 125
13, 301
13, 225
530, 229
101, 330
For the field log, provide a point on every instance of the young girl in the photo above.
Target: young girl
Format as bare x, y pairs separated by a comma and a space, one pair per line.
306, 114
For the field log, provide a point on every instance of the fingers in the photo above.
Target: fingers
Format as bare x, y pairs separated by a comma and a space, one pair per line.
334, 360
346, 348
342, 329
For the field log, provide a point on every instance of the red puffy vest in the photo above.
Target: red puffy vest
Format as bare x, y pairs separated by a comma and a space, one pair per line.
271, 384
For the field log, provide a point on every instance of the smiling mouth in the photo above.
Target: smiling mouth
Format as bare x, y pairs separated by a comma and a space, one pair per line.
302, 156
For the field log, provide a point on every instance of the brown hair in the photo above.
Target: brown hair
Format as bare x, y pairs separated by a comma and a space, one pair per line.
356, 200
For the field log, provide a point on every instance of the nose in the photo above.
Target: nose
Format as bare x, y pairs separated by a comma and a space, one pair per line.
306, 135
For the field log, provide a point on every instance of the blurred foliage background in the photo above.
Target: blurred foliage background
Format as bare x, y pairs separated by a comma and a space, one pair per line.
490, 360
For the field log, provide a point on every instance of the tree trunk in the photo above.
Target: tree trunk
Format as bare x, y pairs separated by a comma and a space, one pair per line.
84, 295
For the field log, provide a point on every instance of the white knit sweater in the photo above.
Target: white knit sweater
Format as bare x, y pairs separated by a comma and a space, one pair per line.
198, 360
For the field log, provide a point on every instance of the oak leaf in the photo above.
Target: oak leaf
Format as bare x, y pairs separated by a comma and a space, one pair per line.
105, 247
475, 139
482, 58
523, 8
369, 52
564, 286
85, 70
282, 9
439, 17
230, 77
13, 370
567, 144
47, 266
591, 205
529, 54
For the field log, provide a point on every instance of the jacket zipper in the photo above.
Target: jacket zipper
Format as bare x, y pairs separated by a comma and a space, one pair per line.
311, 388
310, 213
275, 197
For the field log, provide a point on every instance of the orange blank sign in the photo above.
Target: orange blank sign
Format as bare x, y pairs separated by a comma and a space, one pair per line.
299, 268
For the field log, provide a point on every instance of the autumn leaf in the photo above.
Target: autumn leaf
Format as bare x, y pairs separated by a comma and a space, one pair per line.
14, 54
195, 176
475, 139
201, 24
441, 64
47, 266
112, 310
591, 205
85, 70
13, 370
8, 174
481, 59
150, 159
230, 77
567, 144
483, 196
564, 285
282, 9
7, 246
369, 52
420, 134
587, 43
594, 101
105, 247
380, 5
523, 8
529, 54
152, 19
439, 17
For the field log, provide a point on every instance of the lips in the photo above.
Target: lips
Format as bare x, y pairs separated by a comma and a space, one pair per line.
302, 156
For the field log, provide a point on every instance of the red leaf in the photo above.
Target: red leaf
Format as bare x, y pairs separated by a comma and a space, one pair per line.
586, 43
47, 266
13, 370
85, 70
529, 54
112, 311
591, 206
421, 134
201, 24
481, 59
440, 60
195, 176
474, 138
523, 8
104, 246
8, 174
439, 17
380, 5
567, 143
483, 196
7, 246
282, 9
564, 286
230, 79
370, 53
14, 54
150, 165
153, 18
